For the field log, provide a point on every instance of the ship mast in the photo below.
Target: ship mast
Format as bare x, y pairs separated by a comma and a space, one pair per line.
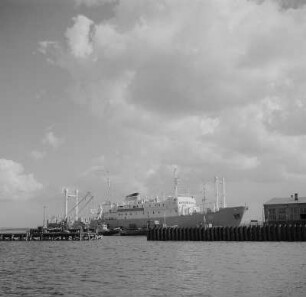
108, 181
217, 192
44, 222
76, 196
175, 182
223, 192
204, 197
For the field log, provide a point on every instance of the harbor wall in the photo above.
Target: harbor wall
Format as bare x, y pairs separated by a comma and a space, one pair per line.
40, 235
241, 233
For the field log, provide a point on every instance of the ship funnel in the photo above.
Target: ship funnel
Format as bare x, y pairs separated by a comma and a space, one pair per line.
296, 197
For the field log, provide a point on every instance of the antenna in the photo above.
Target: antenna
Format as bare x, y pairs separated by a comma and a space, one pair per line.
175, 182
223, 192
66, 203
204, 197
76, 205
108, 181
217, 192
67, 196
44, 221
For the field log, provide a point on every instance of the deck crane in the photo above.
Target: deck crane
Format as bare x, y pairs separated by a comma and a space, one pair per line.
79, 202
90, 198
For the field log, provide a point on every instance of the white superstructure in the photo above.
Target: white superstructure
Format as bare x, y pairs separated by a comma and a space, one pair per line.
136, 208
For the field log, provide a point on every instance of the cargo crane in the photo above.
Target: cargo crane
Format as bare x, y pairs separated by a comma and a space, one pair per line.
89, 199
78, 203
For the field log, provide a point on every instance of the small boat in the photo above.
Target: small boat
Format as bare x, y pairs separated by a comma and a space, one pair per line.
134, 232
105, 231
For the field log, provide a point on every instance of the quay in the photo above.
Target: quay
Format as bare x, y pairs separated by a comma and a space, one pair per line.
241, 233
42, 235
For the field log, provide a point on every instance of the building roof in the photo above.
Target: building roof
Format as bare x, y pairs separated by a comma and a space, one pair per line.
288, 200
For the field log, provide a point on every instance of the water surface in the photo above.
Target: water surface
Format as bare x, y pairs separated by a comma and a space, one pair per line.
133, 266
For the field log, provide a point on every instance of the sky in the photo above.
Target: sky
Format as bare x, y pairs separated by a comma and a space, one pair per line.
128, 91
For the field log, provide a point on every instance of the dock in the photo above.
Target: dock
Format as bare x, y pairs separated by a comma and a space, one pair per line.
42, 235
241, 233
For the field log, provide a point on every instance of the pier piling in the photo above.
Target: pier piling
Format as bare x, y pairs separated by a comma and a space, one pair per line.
241, 233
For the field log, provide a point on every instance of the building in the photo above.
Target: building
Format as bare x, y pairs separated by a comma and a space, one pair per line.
286, 210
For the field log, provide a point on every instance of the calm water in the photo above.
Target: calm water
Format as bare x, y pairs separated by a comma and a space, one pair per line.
131, 266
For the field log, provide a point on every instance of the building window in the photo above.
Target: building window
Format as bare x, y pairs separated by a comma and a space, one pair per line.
271, 214
291, 214
303, 214
282, 214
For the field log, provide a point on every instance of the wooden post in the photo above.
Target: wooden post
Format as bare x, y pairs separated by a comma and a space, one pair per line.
167, 231
236, 233
207, 234
226, 233
159, 233
200, 230
163, 234
212, 233
303, 235
231, 233
295, 231
204, 234
178, 234
277, 232
219, 232
186, 233
182, 234
153, 233
175, 234
170, 233
289, 237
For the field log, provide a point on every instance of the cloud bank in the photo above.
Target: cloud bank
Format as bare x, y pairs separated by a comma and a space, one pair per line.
52, 140
15, 184
211, 86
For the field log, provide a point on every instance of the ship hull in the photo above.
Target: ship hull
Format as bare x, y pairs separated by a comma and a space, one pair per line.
229, 216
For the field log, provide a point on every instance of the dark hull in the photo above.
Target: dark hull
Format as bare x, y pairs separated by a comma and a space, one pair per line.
132, 232
109, 232
229, 216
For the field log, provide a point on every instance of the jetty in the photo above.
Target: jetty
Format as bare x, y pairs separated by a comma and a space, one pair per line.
41, 234
242, 233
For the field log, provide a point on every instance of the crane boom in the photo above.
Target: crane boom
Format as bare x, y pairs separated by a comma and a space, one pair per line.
75, 206
90, 198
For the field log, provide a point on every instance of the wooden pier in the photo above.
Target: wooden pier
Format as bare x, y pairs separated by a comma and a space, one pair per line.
241, 233
41, 235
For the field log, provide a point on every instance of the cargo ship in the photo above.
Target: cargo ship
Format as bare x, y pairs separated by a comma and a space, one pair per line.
175, 210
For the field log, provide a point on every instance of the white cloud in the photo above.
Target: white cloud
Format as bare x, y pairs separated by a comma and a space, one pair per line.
52, 140
45, 46
214, 86
80, 37
15, 184
91, 3
198, 56
37, 155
